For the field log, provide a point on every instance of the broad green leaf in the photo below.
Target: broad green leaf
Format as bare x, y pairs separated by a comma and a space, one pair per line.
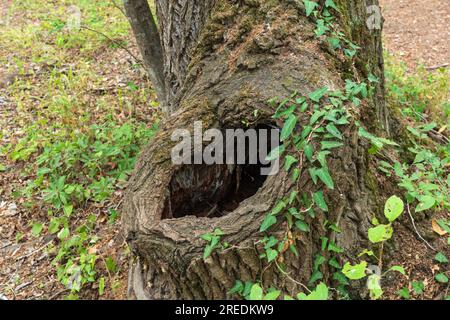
318, 94
441, 258
380, 233
320, 293
275, 153
326, 145
256, 293
278, 208
290, 160
272, 295
373, 284
320, 200
404, 293
355, 272
398, 269
288, 127
302, 226
309, 151
442, 278
63, 234
271, 254
426, 202
36, 229
325, 177
331, 128
331, 4
101, 286
394, 208
309, 6
68, 209
269, 221
418, 287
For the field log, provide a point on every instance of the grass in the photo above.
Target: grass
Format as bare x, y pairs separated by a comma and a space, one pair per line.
82, 112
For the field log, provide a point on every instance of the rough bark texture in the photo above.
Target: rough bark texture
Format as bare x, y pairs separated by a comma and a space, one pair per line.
245, 53
180, 23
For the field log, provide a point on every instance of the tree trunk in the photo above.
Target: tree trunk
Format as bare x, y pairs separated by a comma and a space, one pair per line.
223, 60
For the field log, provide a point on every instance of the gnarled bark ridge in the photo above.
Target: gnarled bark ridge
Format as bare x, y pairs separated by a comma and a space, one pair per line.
237, 56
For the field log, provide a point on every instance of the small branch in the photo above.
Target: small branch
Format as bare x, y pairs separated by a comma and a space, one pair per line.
444, 65
417, 231
115, 42
149, 43
293, 280
118, 7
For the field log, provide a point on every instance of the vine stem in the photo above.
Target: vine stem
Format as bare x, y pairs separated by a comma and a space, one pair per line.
292, 279
417, 231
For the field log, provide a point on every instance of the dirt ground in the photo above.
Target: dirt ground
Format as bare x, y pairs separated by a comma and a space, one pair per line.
417, 31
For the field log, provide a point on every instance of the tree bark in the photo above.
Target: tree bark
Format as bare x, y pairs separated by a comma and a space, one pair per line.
220, 68
147, 37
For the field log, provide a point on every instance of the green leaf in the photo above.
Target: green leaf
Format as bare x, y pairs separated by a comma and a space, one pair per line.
289, 127
442, 278
326, 145
316, 276
275, 153
101, 286
318, 94
320, 201
309, 6
271, 254
441, 258
331, 128
320, 293
272, 295
426, 202
398, 269
418, 287
269, 221
63, 234
394, 208
331, 4
302, 226
278, 208
373, 284
373, 79
404, 293
237, 288
325, 177
256, 293
208, 251
355, 272
68, 209
380, 233
290, 160
36, 229
309, 151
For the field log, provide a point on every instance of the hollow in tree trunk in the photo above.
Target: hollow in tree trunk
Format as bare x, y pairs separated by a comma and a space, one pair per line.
223, 60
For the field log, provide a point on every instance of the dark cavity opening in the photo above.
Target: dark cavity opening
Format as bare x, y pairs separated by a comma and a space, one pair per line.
215, 190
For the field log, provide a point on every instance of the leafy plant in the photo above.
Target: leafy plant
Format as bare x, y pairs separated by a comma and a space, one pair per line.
380, 233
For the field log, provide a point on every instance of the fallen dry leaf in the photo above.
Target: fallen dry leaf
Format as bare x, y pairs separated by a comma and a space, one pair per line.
437, 228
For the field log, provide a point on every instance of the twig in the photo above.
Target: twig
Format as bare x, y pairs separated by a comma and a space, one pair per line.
417, 232
120, 8
115, 42
444, 65
57, 294
293, 280
34, 251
